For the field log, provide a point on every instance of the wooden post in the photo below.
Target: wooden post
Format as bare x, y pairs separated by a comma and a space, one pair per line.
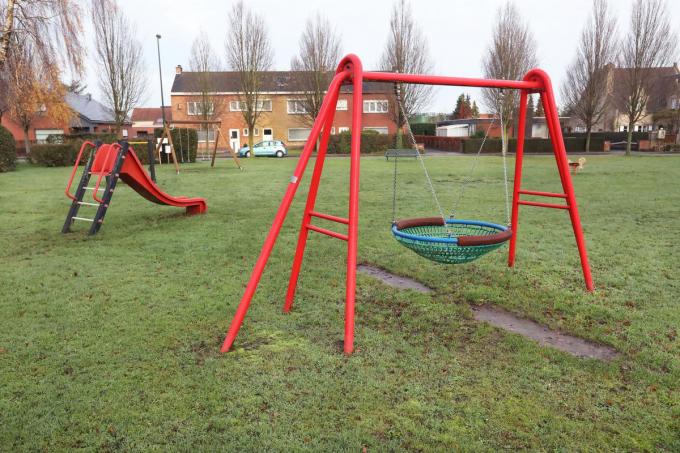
231, 151
166, 133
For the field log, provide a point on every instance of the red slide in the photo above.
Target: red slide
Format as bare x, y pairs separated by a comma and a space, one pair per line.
136, 177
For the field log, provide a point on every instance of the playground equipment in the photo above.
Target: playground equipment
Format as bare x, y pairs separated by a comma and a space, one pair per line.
350, 71
218, 134
449, 241
116, 161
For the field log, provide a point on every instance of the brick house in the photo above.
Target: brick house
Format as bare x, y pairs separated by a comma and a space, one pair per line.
147, 119
282, 116
664, 95
89, 116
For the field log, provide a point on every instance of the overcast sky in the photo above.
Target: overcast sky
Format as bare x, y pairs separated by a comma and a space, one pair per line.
458, 32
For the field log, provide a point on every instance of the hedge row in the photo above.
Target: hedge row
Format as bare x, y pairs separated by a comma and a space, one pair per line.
54, 154
139, 147
531, 145
8, 150
183, 150
609, 136
65, 154
371, 142
424, 128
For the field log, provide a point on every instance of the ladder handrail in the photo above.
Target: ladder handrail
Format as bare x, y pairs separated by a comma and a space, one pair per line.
108, 150
75, 169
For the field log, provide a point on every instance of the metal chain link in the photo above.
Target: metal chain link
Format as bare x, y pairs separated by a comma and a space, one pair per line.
420, 157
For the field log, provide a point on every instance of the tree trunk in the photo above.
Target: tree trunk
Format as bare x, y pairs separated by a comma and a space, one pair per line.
629, 141
6, 33
588, 140
27, 142
251, 141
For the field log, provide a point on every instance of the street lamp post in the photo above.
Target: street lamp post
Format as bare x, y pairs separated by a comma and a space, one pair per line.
160, 75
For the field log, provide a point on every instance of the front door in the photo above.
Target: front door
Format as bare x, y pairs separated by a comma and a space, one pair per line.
267, 134
234, 139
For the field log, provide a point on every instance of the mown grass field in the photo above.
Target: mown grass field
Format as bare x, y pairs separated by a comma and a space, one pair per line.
111, 342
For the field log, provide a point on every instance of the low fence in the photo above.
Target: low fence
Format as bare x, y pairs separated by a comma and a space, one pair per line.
442, 143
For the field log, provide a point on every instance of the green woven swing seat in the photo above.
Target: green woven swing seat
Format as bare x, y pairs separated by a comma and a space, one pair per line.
457, 242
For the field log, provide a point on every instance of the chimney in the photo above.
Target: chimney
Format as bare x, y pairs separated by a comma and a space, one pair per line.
178, 69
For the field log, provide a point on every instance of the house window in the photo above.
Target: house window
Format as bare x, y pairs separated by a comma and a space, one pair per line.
296, 107
341, 105
674, 103
376, 106
343, 129
196, 108
245, 132
333, 130
256, 132
380, 130
43, 135
263, 105
298, 134
201, 135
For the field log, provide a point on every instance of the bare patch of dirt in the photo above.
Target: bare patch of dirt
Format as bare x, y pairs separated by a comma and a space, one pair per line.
544, 336
393, 280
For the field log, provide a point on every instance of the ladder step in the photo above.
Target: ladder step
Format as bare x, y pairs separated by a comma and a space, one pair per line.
334, 234
332, 218
101, 189
542, 194
84, 203
83, 219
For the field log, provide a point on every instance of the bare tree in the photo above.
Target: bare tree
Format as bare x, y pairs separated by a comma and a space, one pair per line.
318, 57
52, 28
249, 52
31, 89
585, 88
205, 62
407, 51
120, 60
511, 54
649, 44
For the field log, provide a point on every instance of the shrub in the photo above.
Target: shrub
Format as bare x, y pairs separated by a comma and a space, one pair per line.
8, 150
371, 142
139, 147
179, 138
423, 128
54, 155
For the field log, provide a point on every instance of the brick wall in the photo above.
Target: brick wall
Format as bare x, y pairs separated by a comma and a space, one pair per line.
279, 120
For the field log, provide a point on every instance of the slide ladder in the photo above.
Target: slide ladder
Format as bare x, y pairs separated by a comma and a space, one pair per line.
109, 163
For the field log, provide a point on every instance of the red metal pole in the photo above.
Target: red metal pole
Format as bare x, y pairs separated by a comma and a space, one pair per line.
353, 227
281, 215
552, 117
311, 200
457, 81
519, 156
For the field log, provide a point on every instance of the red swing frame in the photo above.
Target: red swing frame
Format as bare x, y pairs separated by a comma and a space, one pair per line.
350, 71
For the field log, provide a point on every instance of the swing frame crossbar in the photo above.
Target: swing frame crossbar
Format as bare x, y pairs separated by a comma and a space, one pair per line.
350, 71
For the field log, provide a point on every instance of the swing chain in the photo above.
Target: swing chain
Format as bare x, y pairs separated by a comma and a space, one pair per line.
412, 138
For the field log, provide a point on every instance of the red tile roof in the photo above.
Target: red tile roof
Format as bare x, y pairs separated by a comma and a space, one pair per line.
151, 114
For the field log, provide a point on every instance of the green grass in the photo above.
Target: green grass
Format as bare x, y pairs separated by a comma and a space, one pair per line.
111, 342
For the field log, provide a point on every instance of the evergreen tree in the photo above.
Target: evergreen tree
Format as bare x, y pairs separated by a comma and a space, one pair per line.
459, 106
475, 110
